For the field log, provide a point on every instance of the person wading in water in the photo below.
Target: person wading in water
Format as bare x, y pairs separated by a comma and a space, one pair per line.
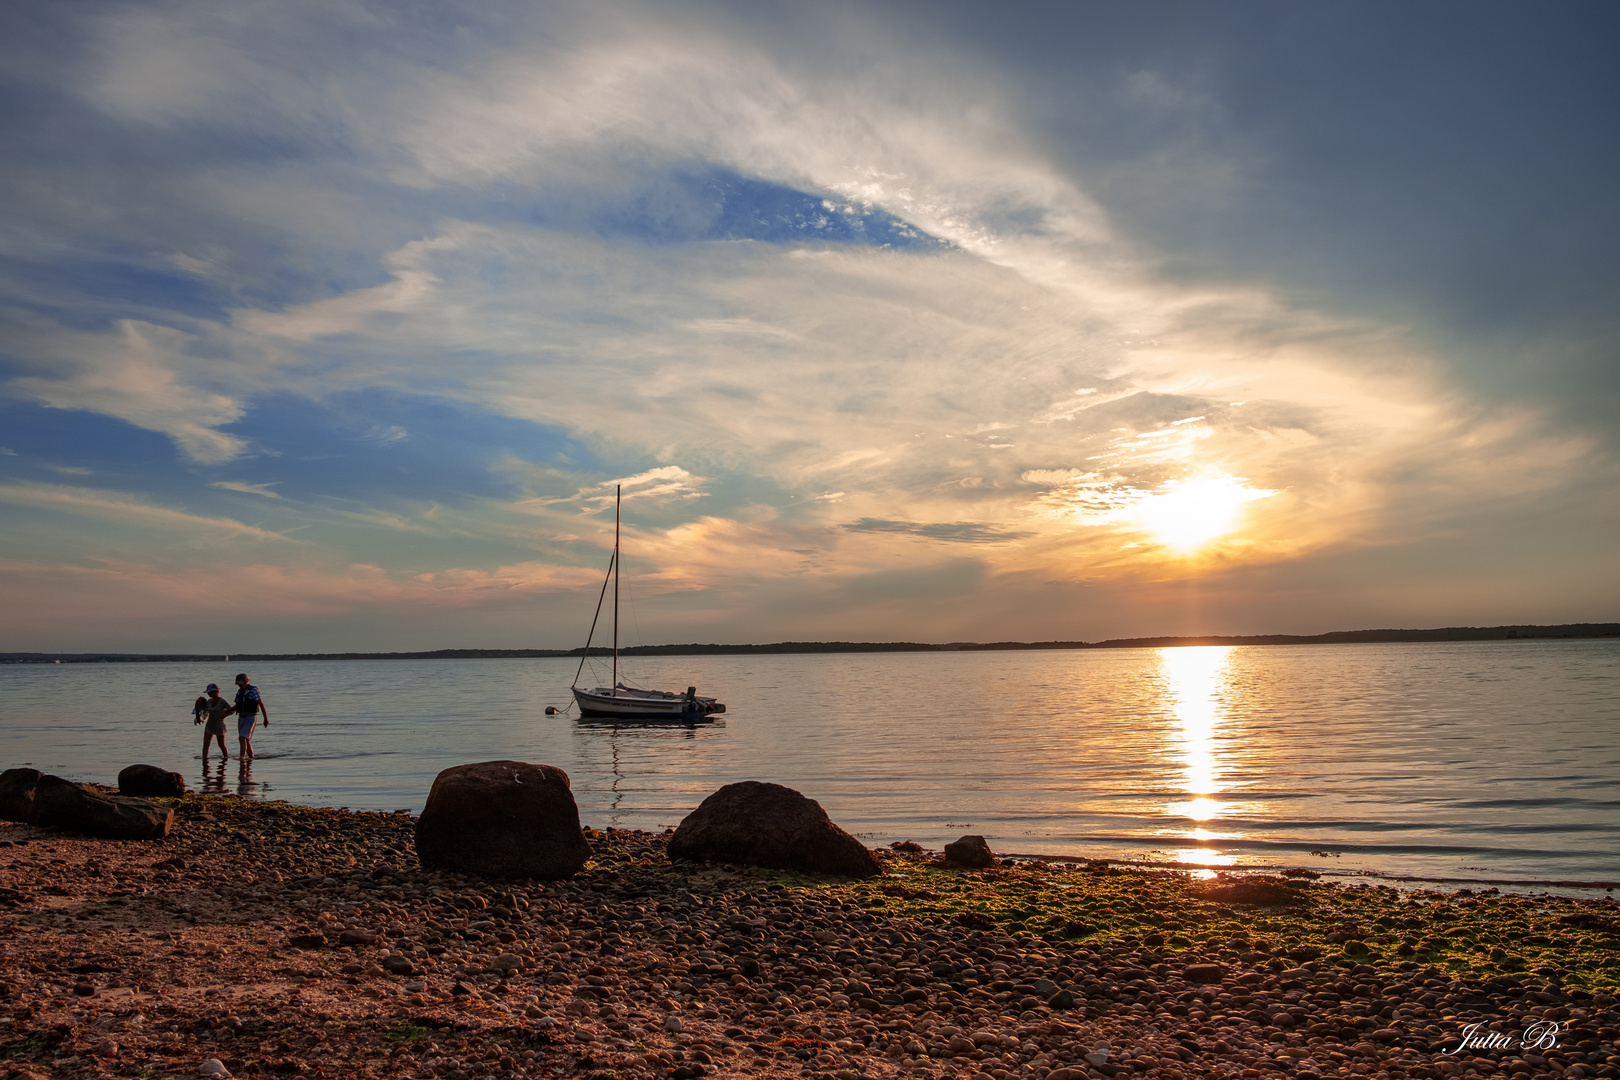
213, 710
249, 707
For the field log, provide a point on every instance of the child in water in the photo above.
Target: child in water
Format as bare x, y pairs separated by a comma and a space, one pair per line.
213, 709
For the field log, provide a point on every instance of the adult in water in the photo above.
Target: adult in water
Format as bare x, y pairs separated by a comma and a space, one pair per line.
249, 707
212, 710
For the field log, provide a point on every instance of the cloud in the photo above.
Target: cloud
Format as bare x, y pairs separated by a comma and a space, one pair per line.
247, 488
957, 532
138, 372
112, 506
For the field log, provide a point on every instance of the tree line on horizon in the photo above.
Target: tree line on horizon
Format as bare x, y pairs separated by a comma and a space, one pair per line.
1449, 633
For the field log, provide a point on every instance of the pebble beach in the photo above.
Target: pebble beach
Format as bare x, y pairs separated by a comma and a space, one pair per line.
264, 939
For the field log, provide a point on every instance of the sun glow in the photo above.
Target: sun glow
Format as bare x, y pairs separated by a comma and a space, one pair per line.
1188, 514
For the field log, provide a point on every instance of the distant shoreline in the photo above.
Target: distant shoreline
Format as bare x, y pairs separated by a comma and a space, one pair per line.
1337, 637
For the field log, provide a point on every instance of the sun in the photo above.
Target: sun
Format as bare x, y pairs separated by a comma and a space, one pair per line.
1187, 514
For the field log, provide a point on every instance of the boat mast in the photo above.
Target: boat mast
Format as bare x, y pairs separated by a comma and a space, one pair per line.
618, 494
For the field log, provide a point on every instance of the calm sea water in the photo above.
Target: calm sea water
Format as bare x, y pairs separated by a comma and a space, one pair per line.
1468, 760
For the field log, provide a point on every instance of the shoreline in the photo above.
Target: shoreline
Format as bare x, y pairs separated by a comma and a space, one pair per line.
257, 935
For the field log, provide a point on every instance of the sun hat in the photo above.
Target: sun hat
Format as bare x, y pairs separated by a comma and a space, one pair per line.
213, 686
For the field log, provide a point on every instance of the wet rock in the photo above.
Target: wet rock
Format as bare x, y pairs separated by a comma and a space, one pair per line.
970, 852
151, 782
769, 825
510, 818
17, 794
66, 805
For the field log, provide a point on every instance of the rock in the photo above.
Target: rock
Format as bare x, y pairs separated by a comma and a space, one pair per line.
151, 781
1204, 973
307, 941
1385, 1035
1063, 999
970, 852
398, 965
508, 962
17, 794
1068, 1074
502, 817
672, 1024
357, 937
66, 805
214, 1067
772, 826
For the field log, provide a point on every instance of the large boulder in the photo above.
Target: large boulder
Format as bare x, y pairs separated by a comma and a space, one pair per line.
77, 808
151, 781
970, 852
507, 818
36, 798
773, 826
17, 794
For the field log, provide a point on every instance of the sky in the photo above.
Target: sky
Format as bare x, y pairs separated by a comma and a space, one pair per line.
334, 325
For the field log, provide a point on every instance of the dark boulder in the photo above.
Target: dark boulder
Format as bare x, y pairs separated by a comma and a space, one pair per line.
507, 818
151, 782
66, 805
970, 852
768, 825
17, 794
36, 798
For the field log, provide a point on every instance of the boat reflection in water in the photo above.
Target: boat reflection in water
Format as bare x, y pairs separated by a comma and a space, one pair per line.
1195, 677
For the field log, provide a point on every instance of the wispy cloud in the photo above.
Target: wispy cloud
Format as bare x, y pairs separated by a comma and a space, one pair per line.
956, 532
246, 488
113, 506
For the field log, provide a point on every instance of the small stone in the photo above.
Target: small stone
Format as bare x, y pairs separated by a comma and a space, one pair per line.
508, 962
672, 1024
1204, 973
84, 989
357, 937
214, 1067
398, 965
307, 941
415, 987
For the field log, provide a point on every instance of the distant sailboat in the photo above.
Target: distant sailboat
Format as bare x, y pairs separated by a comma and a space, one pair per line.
621, 702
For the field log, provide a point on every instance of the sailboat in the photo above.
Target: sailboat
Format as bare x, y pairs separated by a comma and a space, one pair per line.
621, 702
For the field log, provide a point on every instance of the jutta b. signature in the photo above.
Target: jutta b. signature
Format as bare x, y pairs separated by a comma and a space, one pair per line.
1542, 1035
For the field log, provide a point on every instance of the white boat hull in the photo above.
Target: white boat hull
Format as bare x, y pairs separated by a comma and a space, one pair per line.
627, 704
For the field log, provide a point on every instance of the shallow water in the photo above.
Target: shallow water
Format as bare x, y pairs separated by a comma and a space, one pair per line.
1447, 761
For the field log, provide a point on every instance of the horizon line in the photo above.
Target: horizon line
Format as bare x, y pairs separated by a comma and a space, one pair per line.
1520, 632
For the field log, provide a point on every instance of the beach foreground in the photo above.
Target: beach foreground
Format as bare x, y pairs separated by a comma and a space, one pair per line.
267, 938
